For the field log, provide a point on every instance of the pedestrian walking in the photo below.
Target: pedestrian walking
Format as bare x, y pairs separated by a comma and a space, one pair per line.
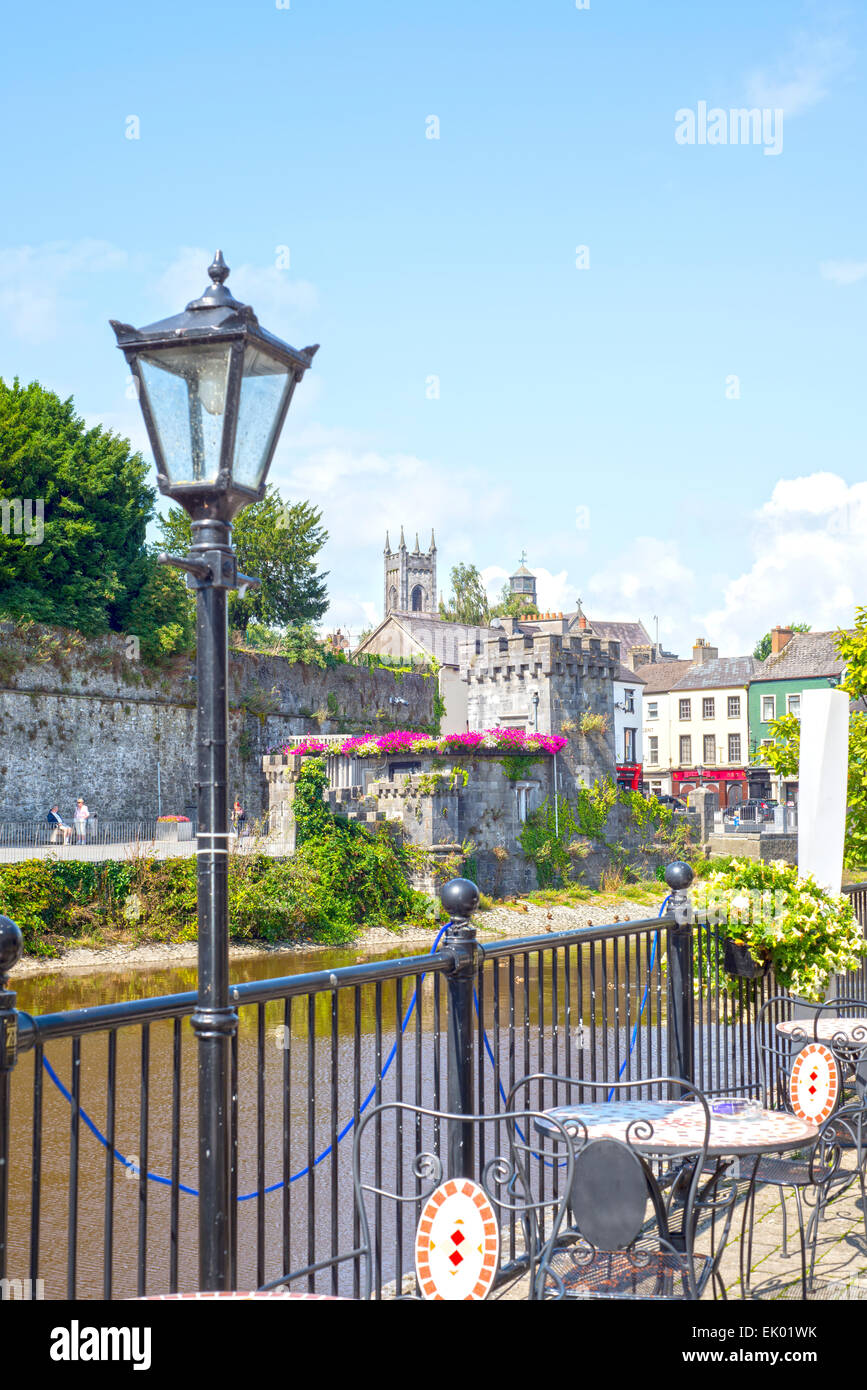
239, 818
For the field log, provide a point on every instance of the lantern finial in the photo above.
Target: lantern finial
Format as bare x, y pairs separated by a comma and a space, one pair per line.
218, 270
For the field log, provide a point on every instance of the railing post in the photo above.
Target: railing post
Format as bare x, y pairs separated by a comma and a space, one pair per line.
681, 1000
460, 898
11, 946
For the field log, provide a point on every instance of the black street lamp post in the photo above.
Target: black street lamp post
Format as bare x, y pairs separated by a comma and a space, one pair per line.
214, 388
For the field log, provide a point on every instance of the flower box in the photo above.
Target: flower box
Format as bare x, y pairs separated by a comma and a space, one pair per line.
174, 830
739, 961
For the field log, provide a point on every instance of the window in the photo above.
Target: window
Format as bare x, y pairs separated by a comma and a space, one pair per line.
685, 748
734, 707
685, 709
735, 748
656, 788
794, 705
653, 751
769, 708
707, 708
629, 745
522, 791
709, 748
629, 701
653, 709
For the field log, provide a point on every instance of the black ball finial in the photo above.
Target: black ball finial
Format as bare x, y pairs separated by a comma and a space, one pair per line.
678, 875
11, 945
460, 897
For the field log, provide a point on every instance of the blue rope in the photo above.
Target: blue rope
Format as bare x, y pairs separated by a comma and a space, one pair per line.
275, 1187
303, 1172
643, 1006
664, 905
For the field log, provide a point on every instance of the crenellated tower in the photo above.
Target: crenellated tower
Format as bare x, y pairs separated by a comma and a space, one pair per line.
410, 578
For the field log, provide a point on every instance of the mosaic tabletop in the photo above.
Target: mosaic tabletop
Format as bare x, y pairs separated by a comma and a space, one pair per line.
658, 1127
852, 1030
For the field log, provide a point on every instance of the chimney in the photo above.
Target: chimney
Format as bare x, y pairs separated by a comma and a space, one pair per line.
779, 637
703, 652
582, 622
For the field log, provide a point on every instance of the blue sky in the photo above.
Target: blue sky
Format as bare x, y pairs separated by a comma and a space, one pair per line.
675, 430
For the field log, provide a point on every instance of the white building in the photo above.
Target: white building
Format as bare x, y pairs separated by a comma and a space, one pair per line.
696, 724
628, 720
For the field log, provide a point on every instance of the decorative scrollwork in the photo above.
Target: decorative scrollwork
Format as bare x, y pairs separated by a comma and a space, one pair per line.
428, 1168
639, 1131
499, 1172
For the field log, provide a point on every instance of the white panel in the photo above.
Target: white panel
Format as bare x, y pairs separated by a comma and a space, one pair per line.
822, 778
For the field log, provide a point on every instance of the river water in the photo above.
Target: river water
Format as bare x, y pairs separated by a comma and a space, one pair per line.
303, 1071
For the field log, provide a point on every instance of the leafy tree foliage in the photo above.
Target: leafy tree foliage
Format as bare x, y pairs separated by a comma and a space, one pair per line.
469, 600
277, 543
514, 605
762, 649
90, 569
96, 507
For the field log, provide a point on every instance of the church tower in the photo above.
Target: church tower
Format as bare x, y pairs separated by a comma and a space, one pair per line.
410, 578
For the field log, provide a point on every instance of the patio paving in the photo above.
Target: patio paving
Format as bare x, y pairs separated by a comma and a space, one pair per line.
841, 1252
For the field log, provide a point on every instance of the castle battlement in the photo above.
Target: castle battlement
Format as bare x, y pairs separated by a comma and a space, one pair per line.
545, 654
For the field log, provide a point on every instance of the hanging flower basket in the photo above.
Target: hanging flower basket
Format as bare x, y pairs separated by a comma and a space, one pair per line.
740, 961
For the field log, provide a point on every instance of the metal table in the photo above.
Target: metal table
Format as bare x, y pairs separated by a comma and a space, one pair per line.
668, 1129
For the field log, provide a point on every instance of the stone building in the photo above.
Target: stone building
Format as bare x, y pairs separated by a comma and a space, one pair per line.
554, 683
410, 582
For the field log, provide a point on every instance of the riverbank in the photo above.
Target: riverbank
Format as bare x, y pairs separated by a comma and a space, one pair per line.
500, 922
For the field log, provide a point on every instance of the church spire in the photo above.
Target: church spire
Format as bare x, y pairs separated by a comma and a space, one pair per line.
387, 544
417, 548
402, 541
433, 544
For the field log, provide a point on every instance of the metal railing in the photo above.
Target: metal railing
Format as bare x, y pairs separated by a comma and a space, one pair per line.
100, 839
102, 1149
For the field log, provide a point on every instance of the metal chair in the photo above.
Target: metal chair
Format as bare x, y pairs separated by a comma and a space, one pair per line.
426, 1235
634, 1214
813, 1063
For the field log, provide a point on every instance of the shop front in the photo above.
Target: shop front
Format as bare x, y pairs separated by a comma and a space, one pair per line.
730, 784
629, 775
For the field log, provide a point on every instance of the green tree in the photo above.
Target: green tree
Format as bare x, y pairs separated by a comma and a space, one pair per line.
276, 543
511, 605
161, 613
91, 491
469, 599
762, 649
783, 753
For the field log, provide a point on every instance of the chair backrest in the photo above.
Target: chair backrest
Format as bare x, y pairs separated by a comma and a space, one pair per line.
421, 1231
785, 1025
457, 1232
640, 1152
814, 1083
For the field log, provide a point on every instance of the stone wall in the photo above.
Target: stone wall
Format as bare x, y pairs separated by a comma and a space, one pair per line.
764, 847
83, 718
431, 807
573, 676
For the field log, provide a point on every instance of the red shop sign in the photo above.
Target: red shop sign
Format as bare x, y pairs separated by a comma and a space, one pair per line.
723, 774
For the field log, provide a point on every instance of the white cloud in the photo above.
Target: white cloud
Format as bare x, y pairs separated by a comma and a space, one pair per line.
803, 77
40, 283
809, 564
362, 493
648, 579
810, 547
843, 272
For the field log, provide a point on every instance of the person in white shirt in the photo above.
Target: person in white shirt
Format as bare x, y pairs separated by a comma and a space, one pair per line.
80, 818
